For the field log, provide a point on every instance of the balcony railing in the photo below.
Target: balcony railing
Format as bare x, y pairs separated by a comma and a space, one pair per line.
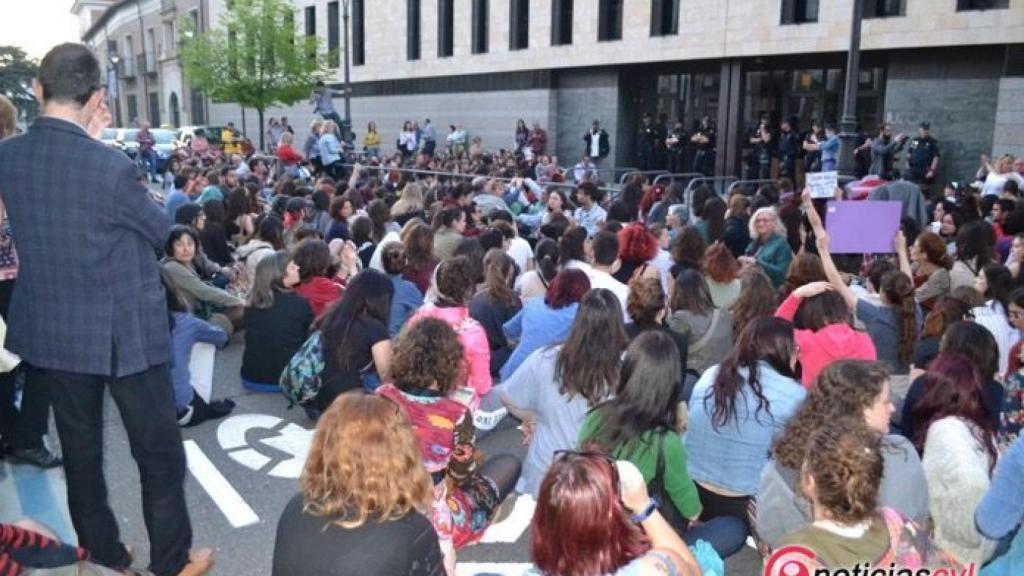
147, 63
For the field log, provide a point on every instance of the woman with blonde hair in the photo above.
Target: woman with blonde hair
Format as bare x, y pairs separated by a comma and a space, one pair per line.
363, 495
409, 204
371, 141
768, 247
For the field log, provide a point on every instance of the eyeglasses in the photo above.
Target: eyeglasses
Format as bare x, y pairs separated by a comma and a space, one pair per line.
569, 455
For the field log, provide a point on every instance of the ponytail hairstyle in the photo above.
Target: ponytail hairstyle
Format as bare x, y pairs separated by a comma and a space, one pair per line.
499, 272
546, 256
899, 292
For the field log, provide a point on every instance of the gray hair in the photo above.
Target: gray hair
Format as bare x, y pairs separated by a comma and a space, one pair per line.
268, 280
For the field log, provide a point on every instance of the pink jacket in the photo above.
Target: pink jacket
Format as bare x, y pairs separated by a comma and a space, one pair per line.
477, 352
831, 343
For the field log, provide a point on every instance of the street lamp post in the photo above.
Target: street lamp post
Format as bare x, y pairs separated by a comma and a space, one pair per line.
848, 123
113, 90
348, 89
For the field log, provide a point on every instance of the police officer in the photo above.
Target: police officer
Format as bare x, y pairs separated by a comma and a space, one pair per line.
703, 142
923, 159
648, 143
789, 147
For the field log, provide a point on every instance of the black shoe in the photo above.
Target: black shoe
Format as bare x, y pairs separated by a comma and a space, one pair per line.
39, 457
201, 411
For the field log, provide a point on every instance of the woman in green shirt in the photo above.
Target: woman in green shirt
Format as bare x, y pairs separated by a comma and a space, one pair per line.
641, 424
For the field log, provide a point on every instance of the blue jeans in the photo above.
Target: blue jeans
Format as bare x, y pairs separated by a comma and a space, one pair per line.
149, 157
726, 534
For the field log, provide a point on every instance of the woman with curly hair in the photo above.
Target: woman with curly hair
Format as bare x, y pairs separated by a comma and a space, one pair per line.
420, 262
847, 388
637, 247
840, 476
427, 370
804, 269
647, 305
721, 270
757, 298
688, 248
362, 483
455, 288
768, 247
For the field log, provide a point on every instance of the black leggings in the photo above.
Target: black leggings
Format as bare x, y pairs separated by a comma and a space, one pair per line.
503, 470
716, 505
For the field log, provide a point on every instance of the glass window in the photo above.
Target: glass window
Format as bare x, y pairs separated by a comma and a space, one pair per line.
332, 34
480, 15
664, 17
519, 25
799, 11
412, 20
561, 22
963, 5
445, 28
609, 22
358, 35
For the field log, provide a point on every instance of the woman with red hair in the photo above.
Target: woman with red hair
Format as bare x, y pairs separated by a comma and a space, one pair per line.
953, 431
637, 247
546, 320
583, 524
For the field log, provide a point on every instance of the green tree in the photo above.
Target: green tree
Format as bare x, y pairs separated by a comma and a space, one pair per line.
16, 74
254, 57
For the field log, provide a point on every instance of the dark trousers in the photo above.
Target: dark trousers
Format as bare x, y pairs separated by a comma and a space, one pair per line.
24, 428
146, 405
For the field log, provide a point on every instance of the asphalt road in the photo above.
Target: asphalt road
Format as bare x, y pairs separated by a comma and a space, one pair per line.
243, 470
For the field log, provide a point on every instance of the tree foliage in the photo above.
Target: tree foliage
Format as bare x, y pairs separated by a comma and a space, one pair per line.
16, 74
253, 57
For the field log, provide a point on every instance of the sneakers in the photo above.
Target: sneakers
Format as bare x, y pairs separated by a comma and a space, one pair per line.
39, 457
485, 421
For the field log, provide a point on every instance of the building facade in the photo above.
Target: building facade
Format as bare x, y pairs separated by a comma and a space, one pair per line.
137, 41
958, 64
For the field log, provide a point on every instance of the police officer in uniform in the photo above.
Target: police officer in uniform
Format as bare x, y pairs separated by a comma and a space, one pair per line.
648, 143
789, 148
703, 142
923, 159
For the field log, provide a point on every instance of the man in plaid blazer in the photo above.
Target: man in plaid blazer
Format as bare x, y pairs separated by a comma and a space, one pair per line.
89, 311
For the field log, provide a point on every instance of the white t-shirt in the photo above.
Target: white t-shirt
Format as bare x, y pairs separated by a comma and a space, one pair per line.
595, 145
602, 279
375, 260
519, 250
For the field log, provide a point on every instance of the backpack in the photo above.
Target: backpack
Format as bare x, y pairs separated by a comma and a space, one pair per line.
300, 380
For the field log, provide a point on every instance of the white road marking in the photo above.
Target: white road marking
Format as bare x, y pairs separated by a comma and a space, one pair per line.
511, 528
231, 432
295, 440
290, 439
501, 569
224, 495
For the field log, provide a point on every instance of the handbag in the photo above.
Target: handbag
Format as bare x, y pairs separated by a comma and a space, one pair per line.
656, 488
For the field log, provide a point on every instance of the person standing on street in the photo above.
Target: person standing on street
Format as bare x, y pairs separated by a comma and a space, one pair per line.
146, 142
883, 151
428, 137
322, 100
88, 311
923, 160
596, 140
647, 149
21, 430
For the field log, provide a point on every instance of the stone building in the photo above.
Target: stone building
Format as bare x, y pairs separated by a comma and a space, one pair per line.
486, 63
137, 41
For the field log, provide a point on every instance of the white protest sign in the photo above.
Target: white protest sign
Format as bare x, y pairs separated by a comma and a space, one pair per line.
823, 184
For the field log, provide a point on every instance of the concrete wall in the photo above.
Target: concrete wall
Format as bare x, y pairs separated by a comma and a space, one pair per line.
1008, 137
959, 98
581, 98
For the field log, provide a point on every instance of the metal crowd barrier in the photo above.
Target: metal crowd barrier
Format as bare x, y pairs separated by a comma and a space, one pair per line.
749, 187
686, 176
622, 180
719, 183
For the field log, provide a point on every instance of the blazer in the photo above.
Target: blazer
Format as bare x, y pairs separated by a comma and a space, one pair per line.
88, 298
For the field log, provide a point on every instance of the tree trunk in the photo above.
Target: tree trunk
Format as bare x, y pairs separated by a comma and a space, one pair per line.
259, 111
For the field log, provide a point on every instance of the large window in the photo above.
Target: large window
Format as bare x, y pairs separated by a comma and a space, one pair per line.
332, 34
962, 5
198, 108
310, 20
519, 25
609, 20
799, 11
412, 29
561, 22
358, 32
664, 17
883, 8
480, 14
133, 109
154, 109
167, 47
445, 28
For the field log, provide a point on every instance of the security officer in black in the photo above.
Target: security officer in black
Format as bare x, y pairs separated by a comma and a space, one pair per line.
648, 144
789, 147
923, 159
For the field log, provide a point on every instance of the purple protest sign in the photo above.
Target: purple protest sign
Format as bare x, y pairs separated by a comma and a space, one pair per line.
865, 227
